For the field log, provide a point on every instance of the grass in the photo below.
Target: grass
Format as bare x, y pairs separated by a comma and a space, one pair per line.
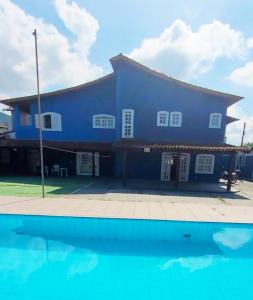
31, 186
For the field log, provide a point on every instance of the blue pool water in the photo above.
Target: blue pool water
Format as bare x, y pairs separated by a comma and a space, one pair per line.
87, 258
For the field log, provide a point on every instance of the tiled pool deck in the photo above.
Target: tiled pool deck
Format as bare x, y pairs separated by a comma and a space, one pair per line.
163, 210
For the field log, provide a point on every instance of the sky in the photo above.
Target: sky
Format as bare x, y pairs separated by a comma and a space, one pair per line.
207, 43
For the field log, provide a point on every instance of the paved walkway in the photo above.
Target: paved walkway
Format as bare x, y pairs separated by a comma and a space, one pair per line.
104, 199
163, 210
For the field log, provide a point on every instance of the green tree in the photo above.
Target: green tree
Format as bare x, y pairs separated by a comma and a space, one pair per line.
248, 145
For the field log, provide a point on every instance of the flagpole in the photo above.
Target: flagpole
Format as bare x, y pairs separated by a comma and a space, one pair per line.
39, 112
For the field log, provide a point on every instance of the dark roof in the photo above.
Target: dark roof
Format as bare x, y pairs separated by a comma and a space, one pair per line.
231, 119
16, 143
139, 145
122, 144
58, 92
231, 97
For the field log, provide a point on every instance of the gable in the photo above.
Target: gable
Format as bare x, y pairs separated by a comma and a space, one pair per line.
122, 63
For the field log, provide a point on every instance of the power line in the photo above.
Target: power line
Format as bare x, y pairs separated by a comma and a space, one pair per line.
75, 152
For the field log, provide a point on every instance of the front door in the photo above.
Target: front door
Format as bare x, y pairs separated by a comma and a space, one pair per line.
184, 167
84, 163
168, 166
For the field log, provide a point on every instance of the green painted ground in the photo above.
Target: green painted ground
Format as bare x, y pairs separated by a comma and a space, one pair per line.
30, 186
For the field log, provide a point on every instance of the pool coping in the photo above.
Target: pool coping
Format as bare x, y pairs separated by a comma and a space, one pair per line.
127, 219
72, 207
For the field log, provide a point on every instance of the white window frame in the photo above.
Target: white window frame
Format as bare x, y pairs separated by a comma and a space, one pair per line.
131, 124
171, 119
104, 117
158, 121
211, 125
197, 164
56, 124
25, 118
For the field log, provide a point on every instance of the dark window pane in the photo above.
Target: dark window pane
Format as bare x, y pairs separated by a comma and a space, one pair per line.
47, 121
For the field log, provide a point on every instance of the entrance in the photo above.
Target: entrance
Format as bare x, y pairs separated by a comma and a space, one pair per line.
84, 163
168, 166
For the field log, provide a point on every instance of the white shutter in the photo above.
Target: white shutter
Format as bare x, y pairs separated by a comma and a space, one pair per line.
36, 117
56, 122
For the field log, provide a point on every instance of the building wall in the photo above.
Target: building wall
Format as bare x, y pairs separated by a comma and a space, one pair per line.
131, 87
247, 171
77, 109
148, 166
148, 94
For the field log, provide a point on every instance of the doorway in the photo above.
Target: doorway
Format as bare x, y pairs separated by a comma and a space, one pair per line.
168, 166
84, 163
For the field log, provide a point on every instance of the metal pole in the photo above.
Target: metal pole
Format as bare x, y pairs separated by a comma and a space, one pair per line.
39, 112
243, 133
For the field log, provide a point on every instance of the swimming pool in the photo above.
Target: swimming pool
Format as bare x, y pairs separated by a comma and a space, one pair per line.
89, 258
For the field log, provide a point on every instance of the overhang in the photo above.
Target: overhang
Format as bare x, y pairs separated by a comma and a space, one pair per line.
145, 146
57, 145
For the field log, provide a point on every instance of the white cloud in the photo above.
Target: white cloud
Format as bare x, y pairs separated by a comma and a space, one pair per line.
243, 75
183, 52
250, 43
234, 130
62, 62
79, 22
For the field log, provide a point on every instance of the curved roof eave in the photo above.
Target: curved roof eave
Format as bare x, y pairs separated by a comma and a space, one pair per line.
231, 97
74, 88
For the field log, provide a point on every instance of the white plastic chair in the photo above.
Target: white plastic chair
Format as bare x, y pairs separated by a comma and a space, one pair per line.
56, 170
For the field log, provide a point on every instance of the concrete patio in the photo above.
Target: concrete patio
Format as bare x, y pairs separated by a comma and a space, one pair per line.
100, 200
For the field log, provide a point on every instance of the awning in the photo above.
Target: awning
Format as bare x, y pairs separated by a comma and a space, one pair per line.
16, 143
131, 144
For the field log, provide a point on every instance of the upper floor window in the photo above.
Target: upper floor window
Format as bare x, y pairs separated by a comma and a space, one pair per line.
104, 121
175, 119
47, 120
25, 114
162, 118
127, 123
25, 119
204, 164
215, 120
50, 121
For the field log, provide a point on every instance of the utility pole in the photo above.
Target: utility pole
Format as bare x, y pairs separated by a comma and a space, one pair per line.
243, 133
39, 112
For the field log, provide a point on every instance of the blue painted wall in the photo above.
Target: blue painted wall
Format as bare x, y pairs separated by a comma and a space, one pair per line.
148, 166
147, 94
247, 171
133, 87
130, 87
77, 109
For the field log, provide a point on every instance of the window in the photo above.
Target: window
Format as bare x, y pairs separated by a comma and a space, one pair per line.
50, 121
215, 120
204, 164
104, 121
162, 118
25, 114
127, 123
25, 119
175, 119
47, 122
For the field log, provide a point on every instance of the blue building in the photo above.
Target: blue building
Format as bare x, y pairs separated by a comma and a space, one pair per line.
132, 123
244, 163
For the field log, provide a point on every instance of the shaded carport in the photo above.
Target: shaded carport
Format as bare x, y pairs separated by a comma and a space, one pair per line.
133, 146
